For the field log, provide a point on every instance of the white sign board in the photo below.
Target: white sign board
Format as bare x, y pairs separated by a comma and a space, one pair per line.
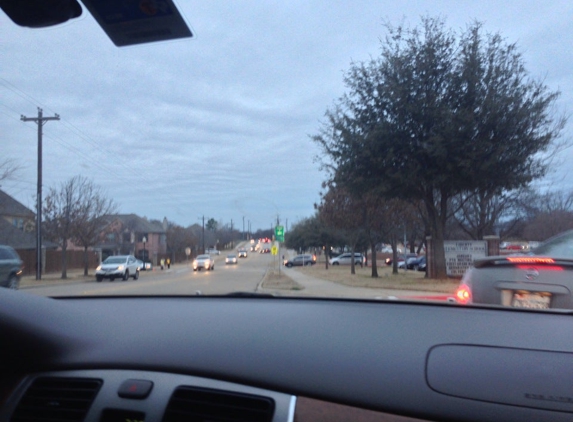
461, 254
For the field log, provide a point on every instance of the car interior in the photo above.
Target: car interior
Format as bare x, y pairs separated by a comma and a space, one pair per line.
279, 359
254, 357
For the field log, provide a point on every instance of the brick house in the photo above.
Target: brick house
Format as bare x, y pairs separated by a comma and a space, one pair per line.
125, 234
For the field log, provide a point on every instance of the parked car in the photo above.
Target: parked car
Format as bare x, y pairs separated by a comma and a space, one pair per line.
401, 259
422, 264
346, 259
231, 259
204, 262
413, 263
300, 260
11, 267
539, 280
143, 266
212, 251
118, 266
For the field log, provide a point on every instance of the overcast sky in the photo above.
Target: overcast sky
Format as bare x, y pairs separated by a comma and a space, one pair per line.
220, 125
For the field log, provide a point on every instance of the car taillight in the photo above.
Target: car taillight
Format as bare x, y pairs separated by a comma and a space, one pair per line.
464, 294
530, 260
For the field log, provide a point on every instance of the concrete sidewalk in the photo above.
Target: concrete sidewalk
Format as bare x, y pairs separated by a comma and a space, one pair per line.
317, 287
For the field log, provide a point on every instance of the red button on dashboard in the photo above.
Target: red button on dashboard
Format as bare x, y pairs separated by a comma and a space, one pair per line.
135, 389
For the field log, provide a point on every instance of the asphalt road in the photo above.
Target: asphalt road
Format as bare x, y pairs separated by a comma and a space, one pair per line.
179, 280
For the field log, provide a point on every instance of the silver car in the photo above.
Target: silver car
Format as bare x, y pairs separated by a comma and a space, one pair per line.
203, 262
118, 266
346, 259
539, 280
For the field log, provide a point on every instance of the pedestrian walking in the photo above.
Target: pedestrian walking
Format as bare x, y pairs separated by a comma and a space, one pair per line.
168, 263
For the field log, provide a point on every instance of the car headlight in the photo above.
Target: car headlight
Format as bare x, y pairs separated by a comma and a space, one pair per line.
121, 267
98, 268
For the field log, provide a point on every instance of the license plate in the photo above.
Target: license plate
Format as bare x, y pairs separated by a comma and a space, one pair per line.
529, 300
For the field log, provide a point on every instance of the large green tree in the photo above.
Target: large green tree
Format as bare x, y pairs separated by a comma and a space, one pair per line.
439, 113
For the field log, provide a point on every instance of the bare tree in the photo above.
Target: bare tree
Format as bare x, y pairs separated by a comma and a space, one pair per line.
8, 168
60, 211
346, 213
92, 205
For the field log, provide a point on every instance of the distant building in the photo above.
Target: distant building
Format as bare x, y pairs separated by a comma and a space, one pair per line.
125, 234
16, 214
18, 225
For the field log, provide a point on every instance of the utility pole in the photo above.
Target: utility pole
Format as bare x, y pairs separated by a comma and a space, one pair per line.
40, 121
244, 237
232, 244
203, 233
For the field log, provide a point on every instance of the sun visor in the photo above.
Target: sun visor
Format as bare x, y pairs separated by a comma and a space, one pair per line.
137, 22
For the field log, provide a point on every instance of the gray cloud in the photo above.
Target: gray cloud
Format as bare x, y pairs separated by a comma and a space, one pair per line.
219, 125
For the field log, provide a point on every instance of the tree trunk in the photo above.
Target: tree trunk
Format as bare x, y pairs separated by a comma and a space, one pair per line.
64, 259
394, 244
86, 260
373, 260
352, 266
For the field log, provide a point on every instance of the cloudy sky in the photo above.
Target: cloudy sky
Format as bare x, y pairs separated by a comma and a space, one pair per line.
219, 125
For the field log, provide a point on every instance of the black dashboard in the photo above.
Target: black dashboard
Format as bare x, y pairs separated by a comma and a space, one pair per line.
286, 356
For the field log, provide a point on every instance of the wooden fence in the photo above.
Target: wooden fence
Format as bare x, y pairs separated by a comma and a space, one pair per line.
52, 261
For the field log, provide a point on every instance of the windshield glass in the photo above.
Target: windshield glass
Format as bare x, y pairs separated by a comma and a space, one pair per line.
112, 260
378, 165
560, 246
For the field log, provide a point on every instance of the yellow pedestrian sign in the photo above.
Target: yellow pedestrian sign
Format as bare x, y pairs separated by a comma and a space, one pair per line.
274, 250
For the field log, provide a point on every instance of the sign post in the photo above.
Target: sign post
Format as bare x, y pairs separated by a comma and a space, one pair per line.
280, 237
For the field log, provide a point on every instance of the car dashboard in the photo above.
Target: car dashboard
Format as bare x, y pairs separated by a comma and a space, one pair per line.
279, 359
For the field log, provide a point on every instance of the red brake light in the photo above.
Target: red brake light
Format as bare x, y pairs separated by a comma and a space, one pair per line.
463, 294
530, 260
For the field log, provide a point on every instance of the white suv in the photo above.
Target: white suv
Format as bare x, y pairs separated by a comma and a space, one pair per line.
123, 266
346, 259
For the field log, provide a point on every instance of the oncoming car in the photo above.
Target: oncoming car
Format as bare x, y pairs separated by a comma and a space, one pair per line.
203, 262
231, 259
540, 280
118, 266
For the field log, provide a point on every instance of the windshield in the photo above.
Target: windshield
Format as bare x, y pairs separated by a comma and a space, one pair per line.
114, 260
387, 147
560, 246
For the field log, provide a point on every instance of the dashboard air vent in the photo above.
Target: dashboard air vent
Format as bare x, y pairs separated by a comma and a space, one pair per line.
201, 404
57, 399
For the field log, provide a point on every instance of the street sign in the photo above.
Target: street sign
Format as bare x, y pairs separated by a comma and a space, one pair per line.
274, 250
280, 233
